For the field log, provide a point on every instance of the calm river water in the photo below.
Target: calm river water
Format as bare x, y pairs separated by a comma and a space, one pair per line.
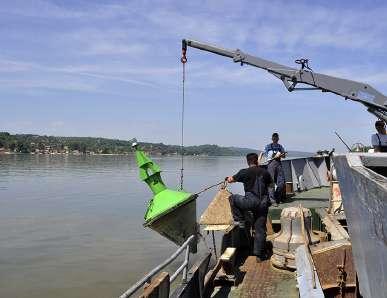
71, 226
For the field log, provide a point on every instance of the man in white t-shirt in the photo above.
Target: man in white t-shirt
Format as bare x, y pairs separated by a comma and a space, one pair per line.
379, 139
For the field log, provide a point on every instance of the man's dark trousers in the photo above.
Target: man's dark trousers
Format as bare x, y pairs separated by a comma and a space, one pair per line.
259, 207
277, 174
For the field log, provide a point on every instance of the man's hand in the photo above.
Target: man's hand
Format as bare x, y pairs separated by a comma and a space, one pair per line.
279, 155
230, 179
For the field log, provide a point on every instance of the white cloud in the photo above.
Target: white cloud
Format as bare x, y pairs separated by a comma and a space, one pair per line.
57, 124
49, 10
109, 41
132, 49
23, 85
46, 80
298, 26
113, 48
268, 24
14, 66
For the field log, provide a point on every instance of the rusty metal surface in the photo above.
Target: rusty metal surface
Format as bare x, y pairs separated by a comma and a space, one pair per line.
262, 280
335, 269
158, 288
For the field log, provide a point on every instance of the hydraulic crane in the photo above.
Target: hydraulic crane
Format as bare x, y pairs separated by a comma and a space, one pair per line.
372, 99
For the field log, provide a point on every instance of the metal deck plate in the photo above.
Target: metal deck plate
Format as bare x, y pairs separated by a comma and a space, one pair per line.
261, 280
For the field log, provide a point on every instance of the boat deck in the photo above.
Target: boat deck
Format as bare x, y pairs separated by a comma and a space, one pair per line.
262, 279
313, 198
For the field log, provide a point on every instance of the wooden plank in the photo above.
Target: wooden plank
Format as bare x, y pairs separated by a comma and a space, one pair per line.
218, 212
217, 227
228, 254
335, 200
332, 225
227, 260
158, 288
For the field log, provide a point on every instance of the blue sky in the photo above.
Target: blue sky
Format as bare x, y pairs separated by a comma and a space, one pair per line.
112, 69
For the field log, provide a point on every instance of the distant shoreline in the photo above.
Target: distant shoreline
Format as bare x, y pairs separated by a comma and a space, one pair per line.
60, 154
37, 144
111, 154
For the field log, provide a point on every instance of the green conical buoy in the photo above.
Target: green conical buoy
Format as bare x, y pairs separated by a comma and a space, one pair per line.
171, 213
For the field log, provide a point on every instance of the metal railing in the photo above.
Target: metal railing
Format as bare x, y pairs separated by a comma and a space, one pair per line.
154, 271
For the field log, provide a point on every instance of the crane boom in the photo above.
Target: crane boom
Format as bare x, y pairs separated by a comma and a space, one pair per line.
375, 101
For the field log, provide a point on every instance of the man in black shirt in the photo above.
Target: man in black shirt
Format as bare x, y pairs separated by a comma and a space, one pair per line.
256, 182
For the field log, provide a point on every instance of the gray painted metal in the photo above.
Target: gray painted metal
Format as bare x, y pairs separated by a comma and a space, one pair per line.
183, 267
306, 173
322, 170
375, 101
314, 171
305, 274
303, 174
157, 269
194, 286
286, 166
364, 194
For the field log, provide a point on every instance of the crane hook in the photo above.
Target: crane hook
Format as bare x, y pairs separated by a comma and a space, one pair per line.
183, 52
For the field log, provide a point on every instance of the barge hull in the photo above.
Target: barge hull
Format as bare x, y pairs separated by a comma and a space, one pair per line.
364, 192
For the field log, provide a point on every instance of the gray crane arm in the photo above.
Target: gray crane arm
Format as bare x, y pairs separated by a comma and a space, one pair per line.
375, 101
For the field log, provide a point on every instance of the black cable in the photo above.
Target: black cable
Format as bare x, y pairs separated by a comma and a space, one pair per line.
182, 132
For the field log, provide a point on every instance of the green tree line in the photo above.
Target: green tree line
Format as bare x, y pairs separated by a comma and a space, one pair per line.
27, 143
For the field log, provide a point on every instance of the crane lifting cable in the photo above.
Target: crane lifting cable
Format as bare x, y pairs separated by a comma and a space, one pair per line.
183, 60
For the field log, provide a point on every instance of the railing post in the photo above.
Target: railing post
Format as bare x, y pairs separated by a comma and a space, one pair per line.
186, 260
157, 269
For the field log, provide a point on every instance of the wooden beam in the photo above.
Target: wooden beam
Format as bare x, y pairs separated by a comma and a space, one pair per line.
227, 260
332, 225
158, 288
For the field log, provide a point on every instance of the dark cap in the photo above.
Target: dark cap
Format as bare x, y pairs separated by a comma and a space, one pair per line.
380, 123
275, 134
